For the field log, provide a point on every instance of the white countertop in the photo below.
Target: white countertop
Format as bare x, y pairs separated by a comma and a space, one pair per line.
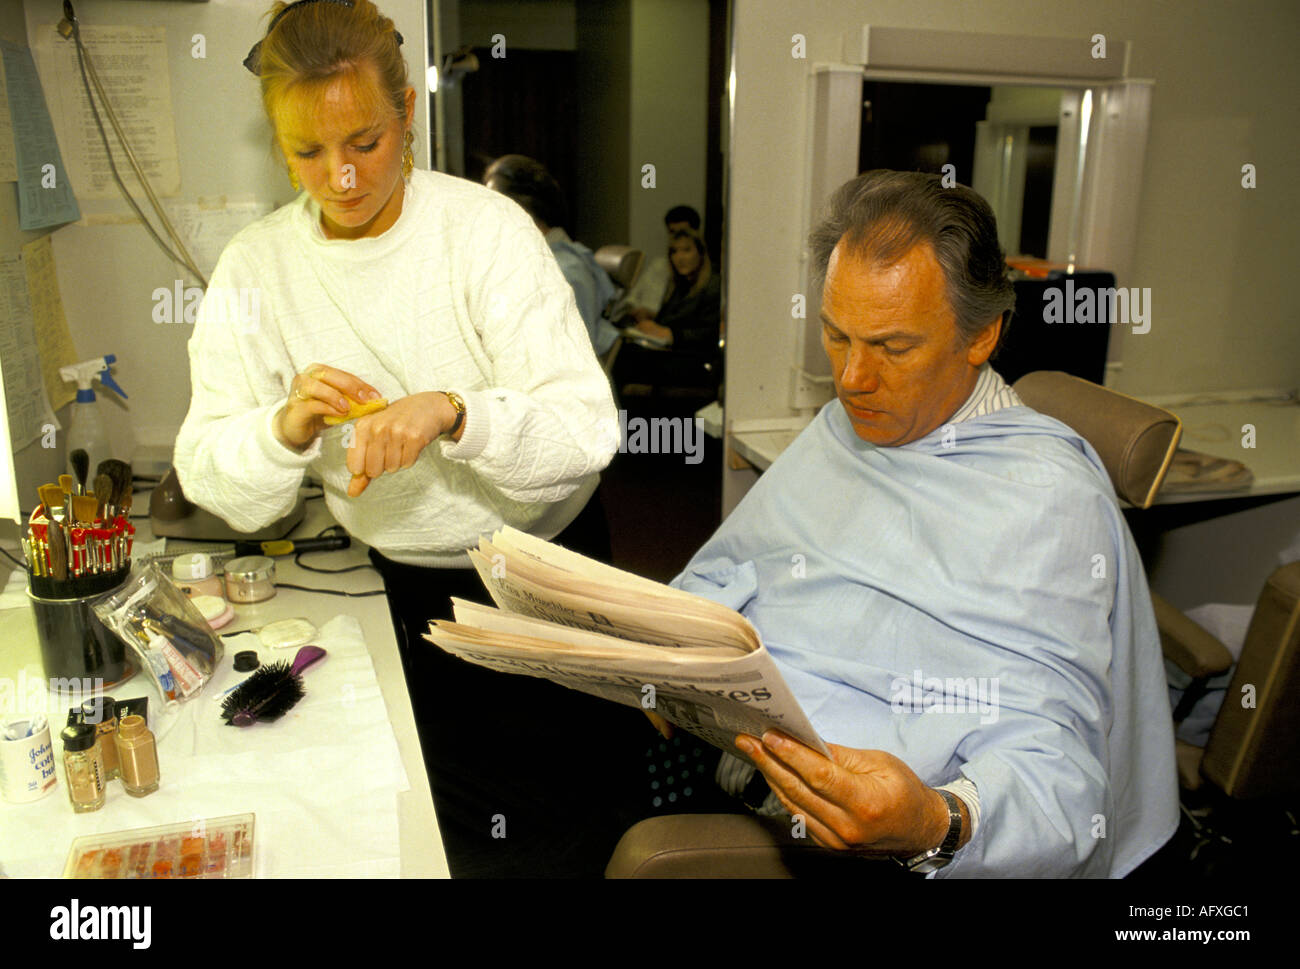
1216, 427
1212, 426
421, 852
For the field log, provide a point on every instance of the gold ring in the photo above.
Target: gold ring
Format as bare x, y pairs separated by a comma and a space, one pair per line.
297, 392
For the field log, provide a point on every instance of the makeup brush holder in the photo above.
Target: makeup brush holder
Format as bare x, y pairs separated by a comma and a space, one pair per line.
75, 645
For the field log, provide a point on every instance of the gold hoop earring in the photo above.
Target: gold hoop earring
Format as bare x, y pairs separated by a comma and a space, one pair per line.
408, 155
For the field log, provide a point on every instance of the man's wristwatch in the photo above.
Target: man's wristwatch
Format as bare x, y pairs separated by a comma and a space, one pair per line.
936, 858
459, 404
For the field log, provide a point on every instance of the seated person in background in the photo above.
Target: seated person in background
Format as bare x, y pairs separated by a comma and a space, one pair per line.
945, 579
528, 183
690, 317
647, 294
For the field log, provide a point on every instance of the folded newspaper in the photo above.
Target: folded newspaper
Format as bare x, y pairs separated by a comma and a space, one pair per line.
592, 627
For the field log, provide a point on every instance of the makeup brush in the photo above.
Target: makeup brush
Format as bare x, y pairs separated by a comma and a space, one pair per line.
52, 498
104, 496
80, 462
84, 508
120, 473
271, 692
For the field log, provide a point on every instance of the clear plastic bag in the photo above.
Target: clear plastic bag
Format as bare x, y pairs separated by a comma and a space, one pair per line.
165, 631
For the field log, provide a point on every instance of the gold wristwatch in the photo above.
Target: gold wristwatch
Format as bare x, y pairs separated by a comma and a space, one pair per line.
458, 403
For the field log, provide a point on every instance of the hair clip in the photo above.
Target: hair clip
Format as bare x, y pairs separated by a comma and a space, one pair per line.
254, 59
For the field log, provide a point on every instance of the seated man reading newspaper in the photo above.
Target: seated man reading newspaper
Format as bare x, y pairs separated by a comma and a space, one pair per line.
945, 580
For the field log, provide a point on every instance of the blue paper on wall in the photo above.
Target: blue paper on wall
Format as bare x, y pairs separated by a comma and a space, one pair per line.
44, 194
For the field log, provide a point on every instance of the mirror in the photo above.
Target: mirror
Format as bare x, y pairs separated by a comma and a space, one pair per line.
596, 90
1001, 140
961, 101
626, 104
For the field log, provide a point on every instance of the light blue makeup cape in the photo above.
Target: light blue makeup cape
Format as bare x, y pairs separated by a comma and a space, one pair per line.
972, 603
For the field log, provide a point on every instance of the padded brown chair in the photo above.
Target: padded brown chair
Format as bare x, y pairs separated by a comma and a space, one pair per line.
623, 265
1254, 746
1136, 443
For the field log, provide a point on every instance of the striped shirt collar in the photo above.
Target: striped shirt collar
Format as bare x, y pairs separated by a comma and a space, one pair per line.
991, 393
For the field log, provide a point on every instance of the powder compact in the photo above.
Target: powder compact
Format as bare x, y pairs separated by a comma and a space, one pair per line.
250, 579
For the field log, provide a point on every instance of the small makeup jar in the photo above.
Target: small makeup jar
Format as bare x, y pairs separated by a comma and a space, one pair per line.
195, 575
250, 579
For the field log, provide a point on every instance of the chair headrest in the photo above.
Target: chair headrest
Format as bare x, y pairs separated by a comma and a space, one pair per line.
1135, 440
622, 263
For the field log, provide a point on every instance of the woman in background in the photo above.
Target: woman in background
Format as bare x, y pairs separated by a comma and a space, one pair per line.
383, 281
683, 346
691, 315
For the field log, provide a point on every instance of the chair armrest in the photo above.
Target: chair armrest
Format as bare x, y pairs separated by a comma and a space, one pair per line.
733, 846
1188, 645
698, 846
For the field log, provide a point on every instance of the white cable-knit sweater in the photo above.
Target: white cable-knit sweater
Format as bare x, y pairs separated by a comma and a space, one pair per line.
462, 294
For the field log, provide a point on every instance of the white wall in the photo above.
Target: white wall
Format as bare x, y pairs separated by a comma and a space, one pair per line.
108, 274
34, 465
669, 114
1216, 257
1213, 254
643, 76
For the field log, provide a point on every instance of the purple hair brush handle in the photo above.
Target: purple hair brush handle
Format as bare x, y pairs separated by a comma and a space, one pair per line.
306, 656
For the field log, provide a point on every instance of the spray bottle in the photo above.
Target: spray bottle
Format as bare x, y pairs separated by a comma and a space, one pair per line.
89, 431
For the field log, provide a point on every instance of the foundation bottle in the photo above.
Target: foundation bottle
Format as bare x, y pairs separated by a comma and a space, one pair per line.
102, 714
84, 767
138, 754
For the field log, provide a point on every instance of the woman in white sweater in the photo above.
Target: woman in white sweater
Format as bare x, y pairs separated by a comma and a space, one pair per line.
432, 292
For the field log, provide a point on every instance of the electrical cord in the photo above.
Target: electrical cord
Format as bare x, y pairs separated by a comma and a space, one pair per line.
12, 559
297, 560
87, 74
332, 592
336, 530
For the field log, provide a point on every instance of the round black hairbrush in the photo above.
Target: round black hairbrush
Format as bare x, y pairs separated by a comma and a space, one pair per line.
271, 692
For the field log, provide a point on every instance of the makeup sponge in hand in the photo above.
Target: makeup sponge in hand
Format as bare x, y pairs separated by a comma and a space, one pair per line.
356, 410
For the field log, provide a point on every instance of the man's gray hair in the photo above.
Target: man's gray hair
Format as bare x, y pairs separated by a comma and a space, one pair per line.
881, 215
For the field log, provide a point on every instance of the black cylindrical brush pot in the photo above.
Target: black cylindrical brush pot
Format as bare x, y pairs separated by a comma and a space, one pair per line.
75, 645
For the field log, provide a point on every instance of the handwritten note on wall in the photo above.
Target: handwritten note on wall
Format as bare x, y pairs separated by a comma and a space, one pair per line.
27, 407
8, 160
53, 341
